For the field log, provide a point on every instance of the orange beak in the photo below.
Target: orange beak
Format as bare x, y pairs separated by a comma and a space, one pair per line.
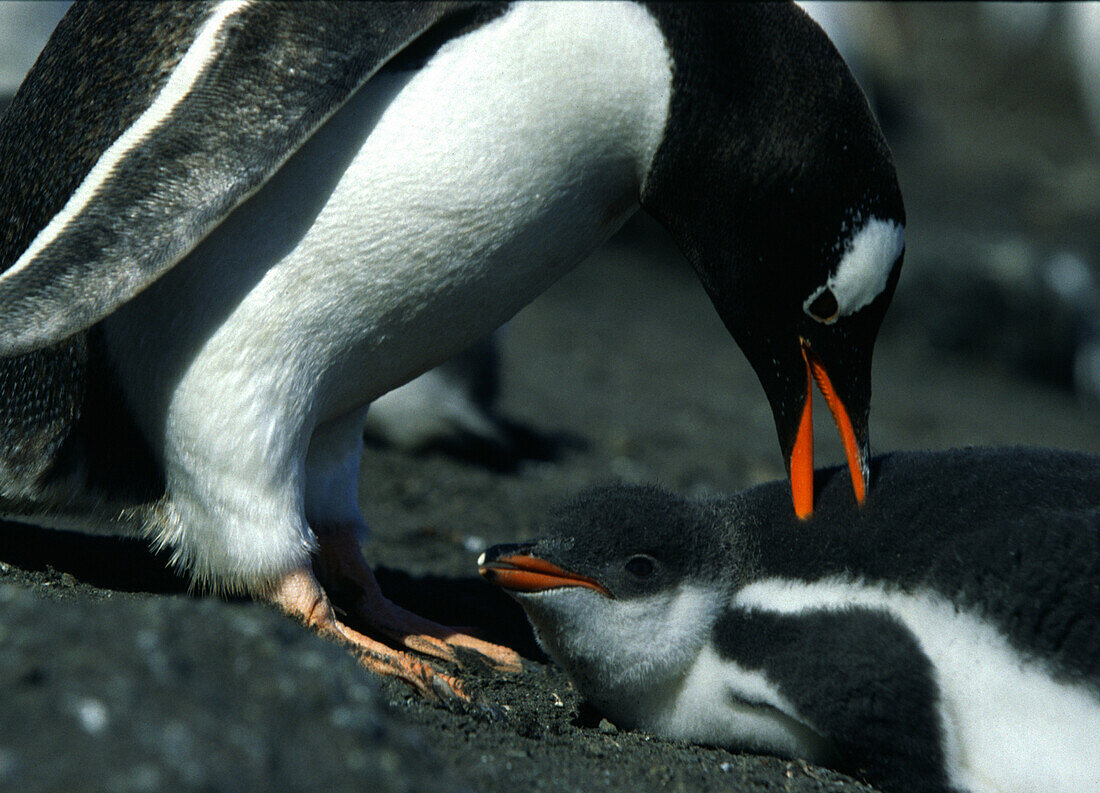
802, 456
522, 573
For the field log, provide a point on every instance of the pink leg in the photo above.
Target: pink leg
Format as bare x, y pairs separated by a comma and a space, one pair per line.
300, 595
342, 564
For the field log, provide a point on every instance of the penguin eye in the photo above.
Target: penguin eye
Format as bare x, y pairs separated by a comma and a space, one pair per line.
823, 307
640, 566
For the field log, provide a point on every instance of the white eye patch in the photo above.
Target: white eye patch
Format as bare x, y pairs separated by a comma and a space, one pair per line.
863, 270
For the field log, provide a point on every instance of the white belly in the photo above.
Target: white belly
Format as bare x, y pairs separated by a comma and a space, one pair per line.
424, 214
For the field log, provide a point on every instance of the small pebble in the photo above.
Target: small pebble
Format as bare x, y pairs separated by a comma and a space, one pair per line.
607, 727
92, 715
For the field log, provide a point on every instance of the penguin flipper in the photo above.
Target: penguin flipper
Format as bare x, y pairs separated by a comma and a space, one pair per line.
169, 116
861, 678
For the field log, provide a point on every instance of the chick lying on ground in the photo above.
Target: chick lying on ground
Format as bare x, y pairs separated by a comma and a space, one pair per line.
943, 637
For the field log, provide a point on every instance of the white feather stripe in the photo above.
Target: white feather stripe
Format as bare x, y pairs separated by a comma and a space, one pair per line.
1010, 726
187, 72
864, 269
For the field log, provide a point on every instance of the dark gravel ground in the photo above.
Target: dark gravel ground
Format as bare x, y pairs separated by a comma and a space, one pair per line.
114, 678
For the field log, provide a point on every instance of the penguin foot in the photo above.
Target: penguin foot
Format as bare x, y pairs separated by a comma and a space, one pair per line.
300, 595
347, 575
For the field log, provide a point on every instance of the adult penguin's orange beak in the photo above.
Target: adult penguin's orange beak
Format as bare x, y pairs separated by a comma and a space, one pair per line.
852, 435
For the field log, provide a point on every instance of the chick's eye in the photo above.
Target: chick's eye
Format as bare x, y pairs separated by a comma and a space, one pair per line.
640, 566
824, 307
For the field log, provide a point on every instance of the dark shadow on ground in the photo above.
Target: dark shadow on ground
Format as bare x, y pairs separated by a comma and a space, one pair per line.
123, 564
467, 603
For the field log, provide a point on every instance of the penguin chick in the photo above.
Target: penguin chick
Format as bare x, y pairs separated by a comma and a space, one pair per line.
945, 637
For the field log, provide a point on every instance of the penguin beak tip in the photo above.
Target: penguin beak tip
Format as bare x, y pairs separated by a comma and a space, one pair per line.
801, 464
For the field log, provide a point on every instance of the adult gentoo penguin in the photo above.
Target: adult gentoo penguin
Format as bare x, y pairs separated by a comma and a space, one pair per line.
232, 225
946, 637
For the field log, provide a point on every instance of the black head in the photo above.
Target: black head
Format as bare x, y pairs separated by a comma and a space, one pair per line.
621, 541
775, 181
622, 591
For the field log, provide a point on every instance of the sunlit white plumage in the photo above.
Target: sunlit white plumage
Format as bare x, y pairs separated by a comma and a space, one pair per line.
383, 246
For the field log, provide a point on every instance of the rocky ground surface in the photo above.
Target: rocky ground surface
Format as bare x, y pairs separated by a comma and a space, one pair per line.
115, 678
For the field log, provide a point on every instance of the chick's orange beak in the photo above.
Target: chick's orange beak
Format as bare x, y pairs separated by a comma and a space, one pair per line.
802, 455
524, 573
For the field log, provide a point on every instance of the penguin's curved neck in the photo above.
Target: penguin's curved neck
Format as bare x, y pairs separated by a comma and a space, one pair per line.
781, 91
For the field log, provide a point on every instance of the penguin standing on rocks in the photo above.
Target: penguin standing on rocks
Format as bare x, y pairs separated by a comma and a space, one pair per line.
945, 637
233, 225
